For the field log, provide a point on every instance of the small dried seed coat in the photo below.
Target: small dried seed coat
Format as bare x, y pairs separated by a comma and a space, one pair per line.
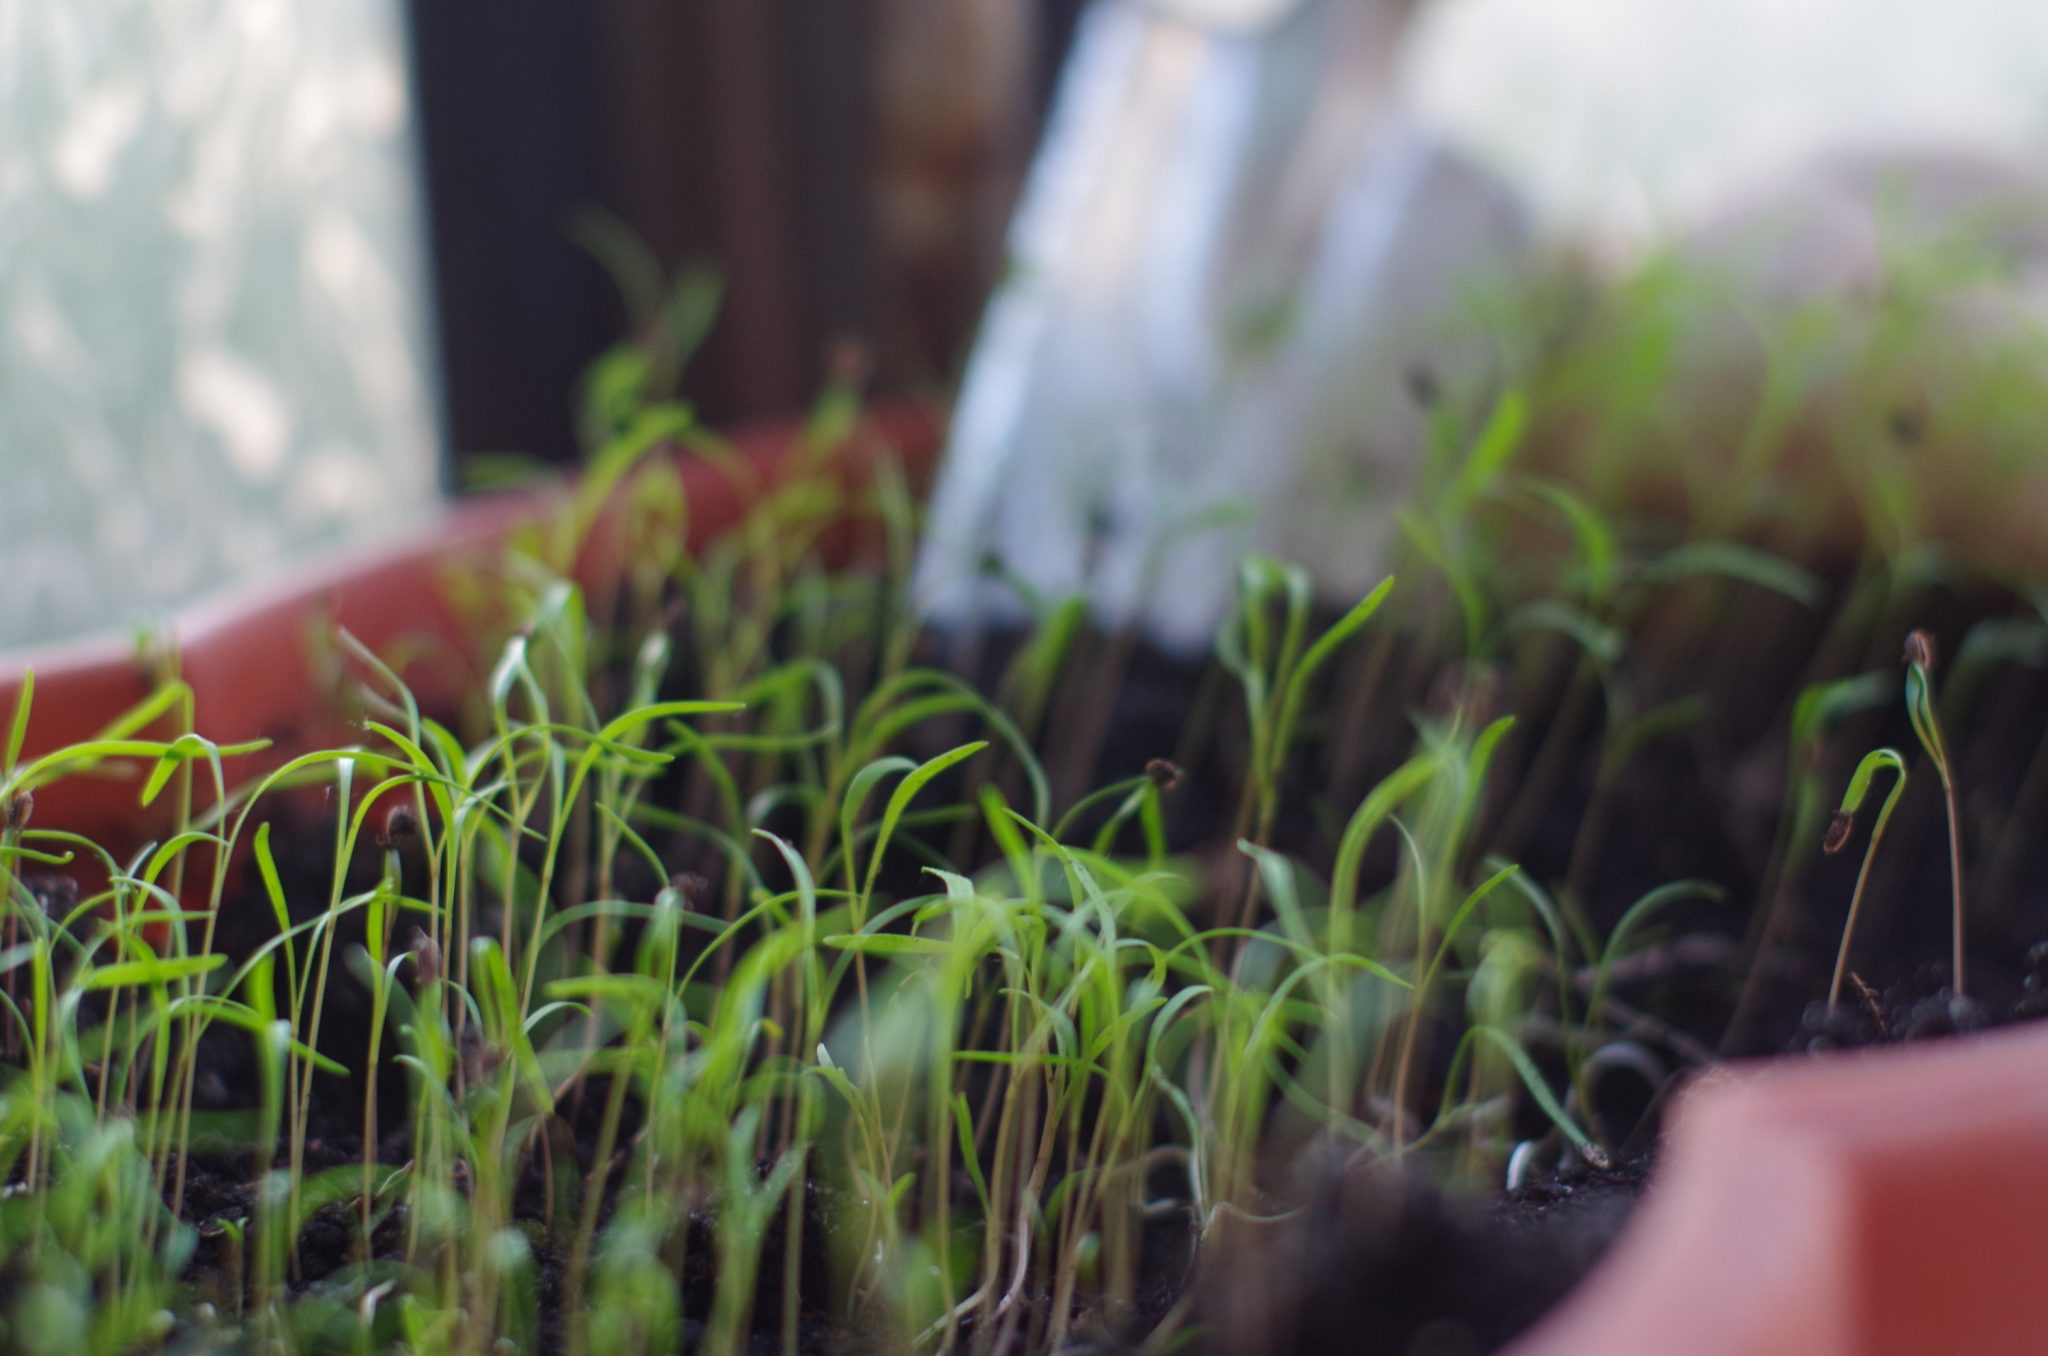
1837, 836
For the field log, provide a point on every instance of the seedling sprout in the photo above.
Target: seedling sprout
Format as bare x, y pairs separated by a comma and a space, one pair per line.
1839, 829
1927, 728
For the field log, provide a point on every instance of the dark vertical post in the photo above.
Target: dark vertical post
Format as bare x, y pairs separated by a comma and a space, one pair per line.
507, 125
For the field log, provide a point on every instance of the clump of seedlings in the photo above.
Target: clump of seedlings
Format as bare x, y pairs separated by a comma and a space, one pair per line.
1926, 725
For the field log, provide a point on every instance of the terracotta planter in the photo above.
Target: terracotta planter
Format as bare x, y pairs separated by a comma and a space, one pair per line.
253, 657
1874, 1204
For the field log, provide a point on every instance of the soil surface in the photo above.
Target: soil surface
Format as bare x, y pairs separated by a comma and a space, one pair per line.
1385, 1254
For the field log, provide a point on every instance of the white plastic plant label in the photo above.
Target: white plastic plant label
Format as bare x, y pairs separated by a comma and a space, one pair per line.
1231, 257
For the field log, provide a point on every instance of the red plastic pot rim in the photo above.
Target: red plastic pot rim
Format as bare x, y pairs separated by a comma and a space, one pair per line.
249, 653
1874, 1203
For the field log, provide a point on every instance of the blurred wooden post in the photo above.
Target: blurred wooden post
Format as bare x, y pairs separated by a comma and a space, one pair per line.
953, 85
850, 167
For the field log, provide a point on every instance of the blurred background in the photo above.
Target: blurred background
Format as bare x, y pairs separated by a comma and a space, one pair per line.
270, 270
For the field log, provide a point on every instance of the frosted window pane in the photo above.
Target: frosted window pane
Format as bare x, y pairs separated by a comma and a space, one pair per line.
212, 329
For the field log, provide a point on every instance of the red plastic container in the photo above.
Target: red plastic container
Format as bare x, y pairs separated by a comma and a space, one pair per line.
256, 662
1886, 1203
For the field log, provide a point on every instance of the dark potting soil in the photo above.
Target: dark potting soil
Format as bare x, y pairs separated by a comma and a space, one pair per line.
1381, 1257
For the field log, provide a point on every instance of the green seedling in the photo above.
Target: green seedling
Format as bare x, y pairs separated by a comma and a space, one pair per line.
1277, 668
1837, 838
1927, 727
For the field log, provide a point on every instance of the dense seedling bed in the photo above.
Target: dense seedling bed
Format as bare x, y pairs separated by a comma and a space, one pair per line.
746, 969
